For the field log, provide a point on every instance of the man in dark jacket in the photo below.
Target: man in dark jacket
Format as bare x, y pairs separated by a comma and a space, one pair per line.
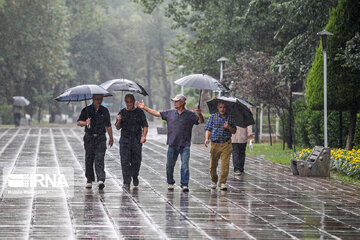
134, 127
96, 120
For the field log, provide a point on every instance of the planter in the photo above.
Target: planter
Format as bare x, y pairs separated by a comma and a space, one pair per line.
198, 134
162, 130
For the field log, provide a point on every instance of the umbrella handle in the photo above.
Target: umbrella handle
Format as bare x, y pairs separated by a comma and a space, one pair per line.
87, 113
199, 98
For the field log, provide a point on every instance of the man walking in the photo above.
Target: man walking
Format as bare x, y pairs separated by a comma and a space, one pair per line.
96, 118
134, 127
180, 122
219, 127
239, 141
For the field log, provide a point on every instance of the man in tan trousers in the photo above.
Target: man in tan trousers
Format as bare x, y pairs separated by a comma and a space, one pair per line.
218, 129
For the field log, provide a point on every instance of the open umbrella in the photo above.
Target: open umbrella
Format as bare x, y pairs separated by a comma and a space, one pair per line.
201, 81
123, 85
81, 93
20, 101
241, 113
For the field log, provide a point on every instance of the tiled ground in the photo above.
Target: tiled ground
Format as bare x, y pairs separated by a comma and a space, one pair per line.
265, 203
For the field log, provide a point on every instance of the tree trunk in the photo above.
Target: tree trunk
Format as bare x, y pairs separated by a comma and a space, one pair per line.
257, 126
166, 84
39, 114
340, 129
148, 80
269, 123
289, 140
351, 132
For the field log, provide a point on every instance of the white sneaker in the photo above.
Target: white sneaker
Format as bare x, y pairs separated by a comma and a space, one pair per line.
213, 185
171, 187
88, 185
223, 187
101, 185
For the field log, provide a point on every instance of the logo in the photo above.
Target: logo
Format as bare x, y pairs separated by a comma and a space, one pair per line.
48, 182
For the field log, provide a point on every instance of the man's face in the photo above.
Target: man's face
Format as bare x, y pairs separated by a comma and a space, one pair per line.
97, 99
221, 107
129, 103
178, 104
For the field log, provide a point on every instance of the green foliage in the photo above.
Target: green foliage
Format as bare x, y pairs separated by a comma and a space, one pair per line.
343, 90
6, 114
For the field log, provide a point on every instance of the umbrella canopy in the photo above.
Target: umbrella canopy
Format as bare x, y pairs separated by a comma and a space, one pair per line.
123, 85
240, 112
20, 101
81, 93
201, 81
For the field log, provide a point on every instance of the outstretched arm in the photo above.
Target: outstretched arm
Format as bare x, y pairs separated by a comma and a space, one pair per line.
149, 110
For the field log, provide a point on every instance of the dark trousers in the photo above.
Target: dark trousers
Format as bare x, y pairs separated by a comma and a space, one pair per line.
130, 156
95, 148
238, 156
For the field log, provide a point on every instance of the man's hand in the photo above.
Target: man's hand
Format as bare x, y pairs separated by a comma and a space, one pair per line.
118, 117
206, 142
226, 126
198, 111
143, 139
88, 122
140, 105
111, 142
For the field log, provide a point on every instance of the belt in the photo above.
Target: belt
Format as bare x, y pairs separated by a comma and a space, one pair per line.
95, 134
221, 141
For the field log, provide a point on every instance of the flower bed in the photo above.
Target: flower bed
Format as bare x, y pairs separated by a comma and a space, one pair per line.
347, 162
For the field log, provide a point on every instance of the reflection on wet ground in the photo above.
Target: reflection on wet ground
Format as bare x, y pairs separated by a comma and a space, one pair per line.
267, 202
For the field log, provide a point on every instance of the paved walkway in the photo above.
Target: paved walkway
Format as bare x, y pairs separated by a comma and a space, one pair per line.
265, 203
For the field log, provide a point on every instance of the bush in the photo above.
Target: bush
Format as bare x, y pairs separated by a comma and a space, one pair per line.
6, 114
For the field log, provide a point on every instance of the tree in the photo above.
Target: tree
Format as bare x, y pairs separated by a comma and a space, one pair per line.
343, 82
33, 43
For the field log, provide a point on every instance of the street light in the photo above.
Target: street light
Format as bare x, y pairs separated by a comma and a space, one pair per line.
323, 36
181, 68
222, 61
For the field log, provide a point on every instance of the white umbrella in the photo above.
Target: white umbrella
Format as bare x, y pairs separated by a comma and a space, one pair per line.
20, 101
201, 81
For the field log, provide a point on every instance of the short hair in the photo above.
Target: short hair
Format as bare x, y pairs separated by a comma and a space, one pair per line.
221, 102
129, 95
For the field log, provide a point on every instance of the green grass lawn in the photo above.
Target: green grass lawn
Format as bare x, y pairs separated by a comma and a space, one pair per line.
275, 153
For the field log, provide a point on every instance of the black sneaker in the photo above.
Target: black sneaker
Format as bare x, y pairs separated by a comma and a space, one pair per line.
185, 188
101, 185
126, 186
136, 182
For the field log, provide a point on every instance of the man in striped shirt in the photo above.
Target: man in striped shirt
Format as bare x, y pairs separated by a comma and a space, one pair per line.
219, 128
180, 122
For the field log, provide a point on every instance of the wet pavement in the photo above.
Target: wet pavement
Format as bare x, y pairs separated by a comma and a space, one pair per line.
267, 202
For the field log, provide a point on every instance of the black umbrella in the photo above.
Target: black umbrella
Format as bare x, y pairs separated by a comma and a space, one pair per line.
20, 101
242, 115
201, 81
123, 85
81, 93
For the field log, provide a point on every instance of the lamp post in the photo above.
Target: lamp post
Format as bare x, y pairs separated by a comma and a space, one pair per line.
323, 36
181, 68
222, 61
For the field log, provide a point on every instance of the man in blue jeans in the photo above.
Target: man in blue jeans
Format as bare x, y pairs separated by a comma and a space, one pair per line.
180, 122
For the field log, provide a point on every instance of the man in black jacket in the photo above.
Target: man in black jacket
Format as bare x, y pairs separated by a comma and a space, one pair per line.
96, 118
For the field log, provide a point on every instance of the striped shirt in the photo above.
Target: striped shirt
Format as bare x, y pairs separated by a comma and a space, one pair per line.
179, 126
215, 124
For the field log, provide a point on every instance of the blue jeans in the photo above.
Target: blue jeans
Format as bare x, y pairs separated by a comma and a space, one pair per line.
172, 155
